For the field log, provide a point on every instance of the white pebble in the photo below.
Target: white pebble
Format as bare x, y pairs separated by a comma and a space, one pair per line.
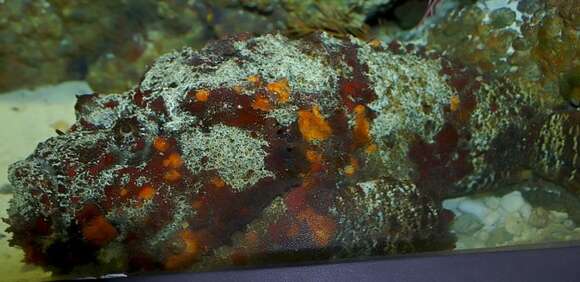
512, 201
452, 204
525, 211
492, 202
474, 207
568, 223
514, 224
492, 219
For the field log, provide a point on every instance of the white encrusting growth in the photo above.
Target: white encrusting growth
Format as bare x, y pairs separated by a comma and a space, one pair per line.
411, 95
237, 156
272, 58
275, 57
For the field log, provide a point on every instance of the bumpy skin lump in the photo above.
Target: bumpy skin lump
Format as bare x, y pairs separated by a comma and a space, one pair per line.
258, 150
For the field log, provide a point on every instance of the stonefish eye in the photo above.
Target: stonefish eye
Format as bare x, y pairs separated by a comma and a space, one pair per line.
126, 128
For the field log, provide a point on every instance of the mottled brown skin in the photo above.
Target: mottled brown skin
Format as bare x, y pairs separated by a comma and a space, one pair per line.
151, 211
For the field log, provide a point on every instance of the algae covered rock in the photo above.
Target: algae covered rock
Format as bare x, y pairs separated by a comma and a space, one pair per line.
108, 42
111, 43
338, 17
260, 150
19, 36
531, 42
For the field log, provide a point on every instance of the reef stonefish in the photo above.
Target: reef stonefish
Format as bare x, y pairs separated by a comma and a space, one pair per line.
258, 150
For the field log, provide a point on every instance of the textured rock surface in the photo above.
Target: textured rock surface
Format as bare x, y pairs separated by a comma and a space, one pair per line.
338, 17
533, 43
111, 43
261, 150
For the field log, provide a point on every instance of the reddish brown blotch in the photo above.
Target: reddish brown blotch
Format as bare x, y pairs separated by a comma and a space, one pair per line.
99, 231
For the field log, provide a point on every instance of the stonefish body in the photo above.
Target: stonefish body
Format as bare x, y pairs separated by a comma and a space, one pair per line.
261, 150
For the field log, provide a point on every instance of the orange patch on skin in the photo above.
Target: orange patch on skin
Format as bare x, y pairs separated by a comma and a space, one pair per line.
201, 95
293, 230
173, 161
252, 239
375, 43
146, 193
315, 159
123, 192
238, 89
372, 148
349, 170
313, 156
323, 228
261, 103
313, 126
99, 231
454, 103
281, 88
217, 182
255, 80
160, 144
197, 204
352, 167
172, 175
191, 251
362, 126
191, 243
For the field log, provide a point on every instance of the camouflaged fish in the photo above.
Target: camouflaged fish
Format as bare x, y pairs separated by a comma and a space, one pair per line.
258, 150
